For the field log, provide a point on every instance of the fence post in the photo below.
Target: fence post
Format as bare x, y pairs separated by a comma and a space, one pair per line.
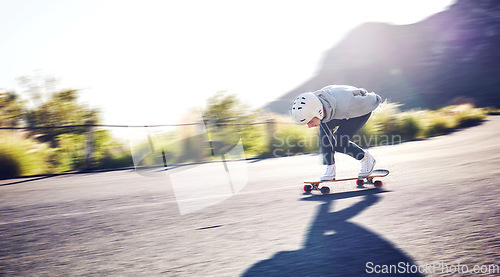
201, 136
271, 128
89, 147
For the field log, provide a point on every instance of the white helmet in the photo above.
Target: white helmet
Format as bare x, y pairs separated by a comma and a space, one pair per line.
306, 107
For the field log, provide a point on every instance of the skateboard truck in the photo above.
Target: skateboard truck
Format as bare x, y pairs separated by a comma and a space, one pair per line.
360, 182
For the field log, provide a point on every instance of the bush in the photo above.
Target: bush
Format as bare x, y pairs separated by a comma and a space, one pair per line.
437, 125
388, 122
409, 126
293, 139
467, 116
70, 154
22, 156
382, 126
9, 165
492, 111
449, 118
117, 158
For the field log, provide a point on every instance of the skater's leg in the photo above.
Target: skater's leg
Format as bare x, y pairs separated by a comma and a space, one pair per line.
343, 135
327, 142
328, 149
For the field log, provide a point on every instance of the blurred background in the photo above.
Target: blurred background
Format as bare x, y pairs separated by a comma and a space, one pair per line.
101, 66
153, 137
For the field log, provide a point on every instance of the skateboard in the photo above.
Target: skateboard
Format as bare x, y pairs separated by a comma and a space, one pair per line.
360, 181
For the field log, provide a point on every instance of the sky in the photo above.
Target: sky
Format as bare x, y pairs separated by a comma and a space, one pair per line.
154, 61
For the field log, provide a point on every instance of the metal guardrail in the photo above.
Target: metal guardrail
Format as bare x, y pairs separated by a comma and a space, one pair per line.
270, 130
138, 126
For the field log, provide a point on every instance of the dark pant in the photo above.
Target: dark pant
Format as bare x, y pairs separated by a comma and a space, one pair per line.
340, 140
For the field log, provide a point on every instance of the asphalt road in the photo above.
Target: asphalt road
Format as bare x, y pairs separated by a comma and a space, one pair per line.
438, 213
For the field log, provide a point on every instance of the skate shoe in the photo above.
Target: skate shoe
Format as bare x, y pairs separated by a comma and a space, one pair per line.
329, 174
367, 165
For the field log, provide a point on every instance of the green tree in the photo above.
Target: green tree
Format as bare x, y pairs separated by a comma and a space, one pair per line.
228, 120
11, 108
60, 109
48, 147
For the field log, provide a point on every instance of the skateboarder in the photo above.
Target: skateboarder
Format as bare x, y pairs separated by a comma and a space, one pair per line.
348, 108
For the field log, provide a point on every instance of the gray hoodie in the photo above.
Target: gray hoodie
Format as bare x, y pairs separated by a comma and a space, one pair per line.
344, 102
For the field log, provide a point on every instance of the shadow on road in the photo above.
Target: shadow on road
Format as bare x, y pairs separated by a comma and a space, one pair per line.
27, 180
334, 246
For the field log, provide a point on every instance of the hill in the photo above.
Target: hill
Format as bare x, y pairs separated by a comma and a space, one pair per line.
449, 58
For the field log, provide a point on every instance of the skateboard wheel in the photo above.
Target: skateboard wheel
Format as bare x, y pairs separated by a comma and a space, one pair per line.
325, 190
378, 184
360, 182
307, 188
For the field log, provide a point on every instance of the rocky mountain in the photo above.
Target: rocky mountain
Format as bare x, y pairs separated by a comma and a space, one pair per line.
450, 57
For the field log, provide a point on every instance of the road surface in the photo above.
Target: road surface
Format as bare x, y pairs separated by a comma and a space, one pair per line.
438, 213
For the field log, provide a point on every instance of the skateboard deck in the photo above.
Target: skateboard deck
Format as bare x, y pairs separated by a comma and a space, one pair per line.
360, 181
